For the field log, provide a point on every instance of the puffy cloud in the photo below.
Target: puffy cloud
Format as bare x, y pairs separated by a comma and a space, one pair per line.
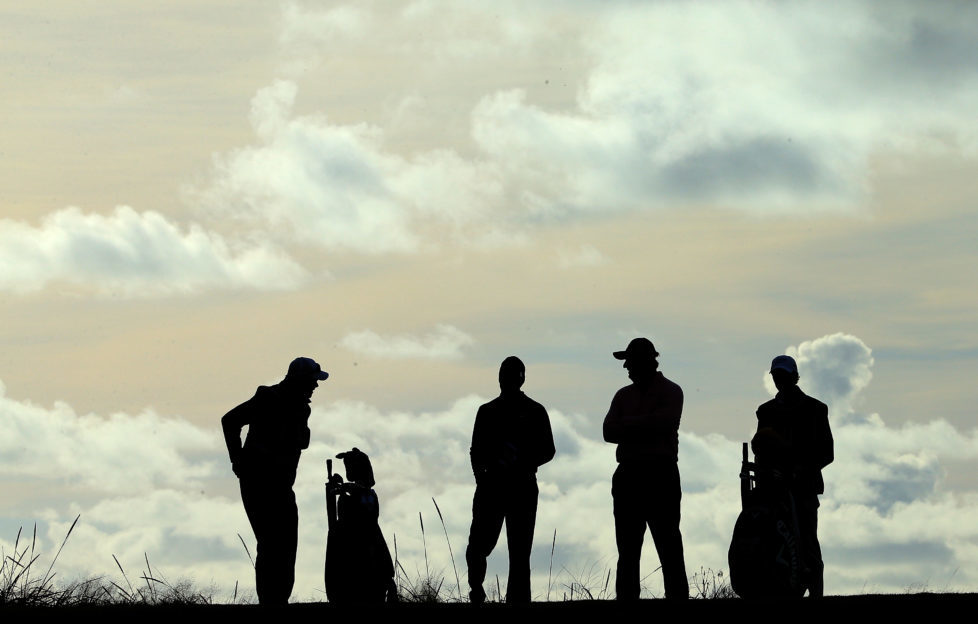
835, 368
762, 108
770, 107
119, 454
134, 254
336, 187
446, 342
886, 523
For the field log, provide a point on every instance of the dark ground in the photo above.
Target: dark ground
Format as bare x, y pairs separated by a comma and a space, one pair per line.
831, 610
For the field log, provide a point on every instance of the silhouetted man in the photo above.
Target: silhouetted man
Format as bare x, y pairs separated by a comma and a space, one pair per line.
792, 444
277, 418
643, 421
511, 439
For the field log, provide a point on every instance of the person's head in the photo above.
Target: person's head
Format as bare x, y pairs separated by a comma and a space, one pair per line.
512, 374
358, 468
639, 358
304, 376
784, 372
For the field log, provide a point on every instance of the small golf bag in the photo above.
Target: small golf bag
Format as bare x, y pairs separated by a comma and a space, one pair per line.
765, 554
359, 568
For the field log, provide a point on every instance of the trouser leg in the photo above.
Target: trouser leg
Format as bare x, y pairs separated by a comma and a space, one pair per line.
811, 552
664, 516
274, 518
520, 519
629, 534
487, 522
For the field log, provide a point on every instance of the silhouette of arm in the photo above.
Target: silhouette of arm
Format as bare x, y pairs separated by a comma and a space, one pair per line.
232, 423
613, 428
825, 445
545, 440
623, 426
477, 451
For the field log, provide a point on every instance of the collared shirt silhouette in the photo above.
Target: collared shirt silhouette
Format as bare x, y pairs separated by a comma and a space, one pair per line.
792, 445
278, 430
510, 440
643, 421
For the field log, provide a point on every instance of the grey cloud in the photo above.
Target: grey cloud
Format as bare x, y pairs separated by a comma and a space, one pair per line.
894, 553
748, 167
904, 483
769, 108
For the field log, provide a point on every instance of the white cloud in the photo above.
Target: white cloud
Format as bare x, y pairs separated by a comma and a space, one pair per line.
886, 523
134, 254
446, 342
117, 454
835, 368
336, 186
758, 107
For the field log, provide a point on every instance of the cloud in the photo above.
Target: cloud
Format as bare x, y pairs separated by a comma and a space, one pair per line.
769, 108
835, 368
336, 186
117, 454
134, 254
759, 107
162, 486
446, 342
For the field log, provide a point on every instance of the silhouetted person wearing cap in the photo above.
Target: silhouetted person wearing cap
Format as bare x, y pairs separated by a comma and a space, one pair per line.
792, 444
643, 421
511, 439
278, 429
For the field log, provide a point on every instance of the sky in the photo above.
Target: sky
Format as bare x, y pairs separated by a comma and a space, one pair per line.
193, 194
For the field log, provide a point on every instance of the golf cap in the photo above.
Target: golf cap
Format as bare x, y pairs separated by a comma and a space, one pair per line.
307, 368
785, 363
639, 348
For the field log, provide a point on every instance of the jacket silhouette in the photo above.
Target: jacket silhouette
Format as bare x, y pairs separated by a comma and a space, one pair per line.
511, 439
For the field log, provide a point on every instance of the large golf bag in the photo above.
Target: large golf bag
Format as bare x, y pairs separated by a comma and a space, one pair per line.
359, 568
765, 554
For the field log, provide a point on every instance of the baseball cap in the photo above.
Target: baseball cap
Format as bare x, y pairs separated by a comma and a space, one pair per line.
785, 363
638, 348
308, 368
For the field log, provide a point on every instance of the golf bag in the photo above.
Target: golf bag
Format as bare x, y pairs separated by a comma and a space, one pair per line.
765, 553
359, 568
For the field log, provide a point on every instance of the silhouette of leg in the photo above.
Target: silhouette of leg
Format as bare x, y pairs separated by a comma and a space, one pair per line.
274, 518
807, 512
487, 522
521, 515
629, 531
664, 516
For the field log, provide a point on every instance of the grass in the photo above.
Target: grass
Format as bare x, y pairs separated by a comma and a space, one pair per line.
20, 584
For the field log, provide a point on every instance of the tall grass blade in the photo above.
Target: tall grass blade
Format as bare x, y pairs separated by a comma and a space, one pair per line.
550, 574
47, 575
427, 573
131, 590
458, 583
248, 552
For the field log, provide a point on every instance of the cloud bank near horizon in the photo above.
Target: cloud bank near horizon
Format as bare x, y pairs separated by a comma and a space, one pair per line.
161, 486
